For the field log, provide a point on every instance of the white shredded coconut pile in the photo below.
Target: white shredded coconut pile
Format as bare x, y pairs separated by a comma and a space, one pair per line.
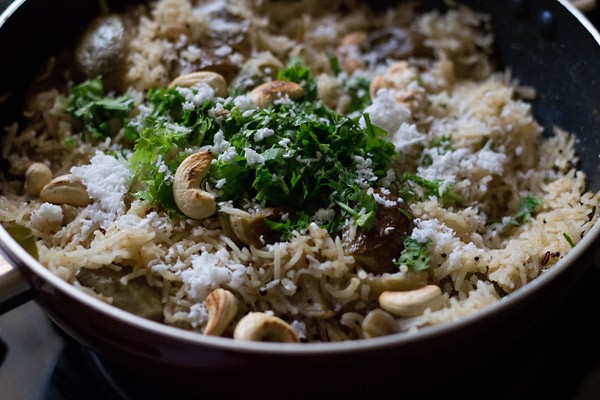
46, 214
107, 180
210, 271
196, 95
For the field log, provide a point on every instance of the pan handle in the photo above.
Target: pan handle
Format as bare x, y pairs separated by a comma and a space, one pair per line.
14, 288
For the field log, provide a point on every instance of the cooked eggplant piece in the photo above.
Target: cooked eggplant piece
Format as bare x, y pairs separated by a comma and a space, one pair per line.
358, 48
102, 50
377, 248
24, 236
251, 230
137, 296
394, 43
310, 300
209, 60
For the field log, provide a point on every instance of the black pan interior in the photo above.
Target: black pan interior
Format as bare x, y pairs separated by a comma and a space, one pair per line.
547, 48
544, 45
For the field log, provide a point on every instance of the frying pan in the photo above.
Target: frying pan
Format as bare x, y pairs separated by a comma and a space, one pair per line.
549, 45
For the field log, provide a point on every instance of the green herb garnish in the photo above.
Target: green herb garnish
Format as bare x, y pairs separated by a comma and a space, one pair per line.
308, 162
436, 188
334, 63
358, 89
568, 239
300, 157
415, 255
297, 72
443, 143
161, 137
526, 208
89, 104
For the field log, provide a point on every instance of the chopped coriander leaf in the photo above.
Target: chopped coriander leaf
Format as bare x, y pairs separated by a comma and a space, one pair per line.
308, 162
431, 188
358, 89
484, 140
70, 143
89, 104
300, 156
347, 192
443, 143
568, 239
415, 255
526, 208
161, 136
592, 213
334, 63
297, 72
299, 223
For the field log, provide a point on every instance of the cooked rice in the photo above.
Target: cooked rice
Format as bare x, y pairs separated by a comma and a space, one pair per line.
311, 281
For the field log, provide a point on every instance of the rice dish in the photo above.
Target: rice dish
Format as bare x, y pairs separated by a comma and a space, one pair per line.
291, 171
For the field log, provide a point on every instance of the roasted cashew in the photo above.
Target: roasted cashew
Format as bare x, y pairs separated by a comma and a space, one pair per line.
349, 51
355, 38
260, 327
378, 323
212, 79
37, 176
66, 189
397, 76
412, 303
264, 95
191, 200
221, 306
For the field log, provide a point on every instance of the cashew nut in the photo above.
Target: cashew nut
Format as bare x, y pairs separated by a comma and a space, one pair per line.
264, 95
349, 51
412, 303
398, 76
376, 83
379, 323
221, 306
212, 79
260, 327
66, 189
36, 177
191, 200
355, 38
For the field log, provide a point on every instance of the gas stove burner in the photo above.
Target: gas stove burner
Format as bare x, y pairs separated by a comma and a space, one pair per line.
118, 384
105, 376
